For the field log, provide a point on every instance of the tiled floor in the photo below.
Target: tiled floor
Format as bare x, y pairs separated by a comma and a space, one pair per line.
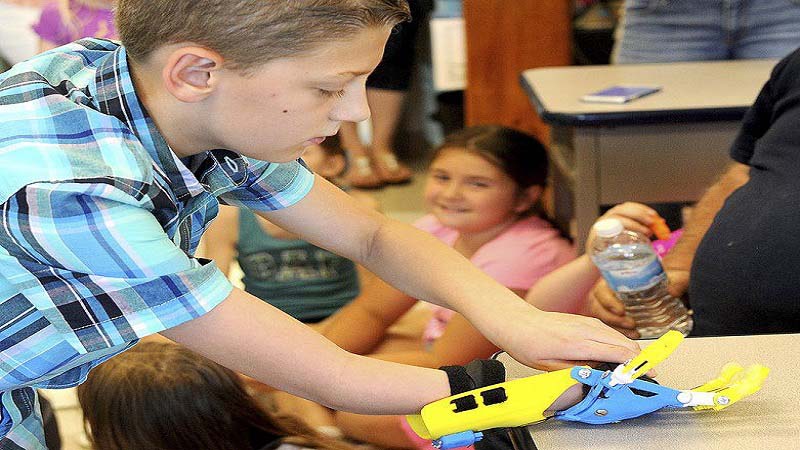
402, 202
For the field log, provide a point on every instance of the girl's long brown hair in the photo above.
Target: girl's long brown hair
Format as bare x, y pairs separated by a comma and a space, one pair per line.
162, 396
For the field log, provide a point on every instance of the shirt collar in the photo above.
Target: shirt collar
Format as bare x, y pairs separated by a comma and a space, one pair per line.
115, 95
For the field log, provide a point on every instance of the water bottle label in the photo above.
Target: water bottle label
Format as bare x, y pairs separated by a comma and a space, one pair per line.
641, 278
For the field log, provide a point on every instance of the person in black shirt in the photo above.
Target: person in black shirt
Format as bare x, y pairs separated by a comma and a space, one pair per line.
739, 254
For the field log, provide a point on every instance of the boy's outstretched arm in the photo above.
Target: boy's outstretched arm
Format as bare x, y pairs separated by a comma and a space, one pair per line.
252, 337
423, 267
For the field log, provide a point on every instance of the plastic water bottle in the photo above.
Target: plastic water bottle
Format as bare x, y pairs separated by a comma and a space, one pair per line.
631, 268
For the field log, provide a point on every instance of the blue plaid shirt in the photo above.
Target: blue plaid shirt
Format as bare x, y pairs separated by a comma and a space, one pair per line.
100, 220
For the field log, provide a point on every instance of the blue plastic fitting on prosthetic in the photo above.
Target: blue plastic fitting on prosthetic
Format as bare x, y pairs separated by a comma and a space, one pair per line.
607, 404
456, 440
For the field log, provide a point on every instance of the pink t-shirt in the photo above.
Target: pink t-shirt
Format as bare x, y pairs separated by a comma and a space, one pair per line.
517, 259
86, 22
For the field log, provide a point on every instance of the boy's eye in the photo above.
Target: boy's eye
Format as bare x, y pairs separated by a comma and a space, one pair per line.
480, 184
332, 94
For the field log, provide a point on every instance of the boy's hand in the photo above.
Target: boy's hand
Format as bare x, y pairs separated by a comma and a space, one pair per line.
553, 340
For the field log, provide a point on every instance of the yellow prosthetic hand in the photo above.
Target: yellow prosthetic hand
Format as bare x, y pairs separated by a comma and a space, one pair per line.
612, 396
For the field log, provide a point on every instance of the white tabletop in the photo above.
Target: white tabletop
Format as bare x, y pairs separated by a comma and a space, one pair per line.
769, 419
687, 87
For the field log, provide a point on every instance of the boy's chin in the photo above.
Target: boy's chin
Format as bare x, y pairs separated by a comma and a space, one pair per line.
280, 156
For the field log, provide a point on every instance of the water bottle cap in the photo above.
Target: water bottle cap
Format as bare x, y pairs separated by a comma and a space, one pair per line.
608, 227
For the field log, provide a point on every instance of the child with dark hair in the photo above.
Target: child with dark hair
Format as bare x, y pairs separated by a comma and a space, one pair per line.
116, 157
162, 396
305, 281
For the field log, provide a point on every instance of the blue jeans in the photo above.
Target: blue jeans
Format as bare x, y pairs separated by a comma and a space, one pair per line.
699, 30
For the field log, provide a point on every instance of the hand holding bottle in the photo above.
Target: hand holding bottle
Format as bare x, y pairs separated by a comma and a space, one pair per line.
632, 269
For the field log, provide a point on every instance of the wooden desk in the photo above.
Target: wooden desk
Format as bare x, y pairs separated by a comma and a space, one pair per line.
769, 419
667, 147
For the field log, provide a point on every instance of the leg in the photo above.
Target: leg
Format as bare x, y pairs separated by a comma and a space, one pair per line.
386, 106
359, 173
382, 431
666, 31
50, 424
315, 416
406, 333
386, 89
766, 29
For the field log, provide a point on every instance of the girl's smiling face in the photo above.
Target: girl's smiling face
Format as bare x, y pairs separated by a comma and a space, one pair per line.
467, 192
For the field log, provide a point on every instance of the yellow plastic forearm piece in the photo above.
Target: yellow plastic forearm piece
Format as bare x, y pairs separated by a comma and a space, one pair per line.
510, 404
743, 384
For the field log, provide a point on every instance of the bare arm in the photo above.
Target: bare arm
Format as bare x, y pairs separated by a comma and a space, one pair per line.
566, 288
361, 324
219, 241
682, 255
460, 343
254, 338
424, 268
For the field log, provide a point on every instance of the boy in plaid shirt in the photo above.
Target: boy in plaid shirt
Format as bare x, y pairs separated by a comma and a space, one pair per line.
116, 157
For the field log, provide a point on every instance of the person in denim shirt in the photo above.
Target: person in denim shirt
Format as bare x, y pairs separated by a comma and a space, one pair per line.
704, 30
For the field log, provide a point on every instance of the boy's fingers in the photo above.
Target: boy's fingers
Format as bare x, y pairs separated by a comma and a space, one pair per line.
603, 352
550, 365
606, 337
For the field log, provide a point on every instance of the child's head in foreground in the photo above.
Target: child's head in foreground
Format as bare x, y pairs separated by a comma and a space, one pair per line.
485, 176
162, 396
271, 76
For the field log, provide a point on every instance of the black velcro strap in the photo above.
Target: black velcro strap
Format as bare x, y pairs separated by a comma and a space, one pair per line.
486, 372
458, 378
478, 373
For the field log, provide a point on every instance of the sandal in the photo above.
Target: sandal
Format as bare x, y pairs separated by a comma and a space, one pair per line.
361, 176
390, 170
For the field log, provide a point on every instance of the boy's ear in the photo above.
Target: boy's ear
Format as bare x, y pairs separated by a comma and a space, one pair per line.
528, 197
190, 73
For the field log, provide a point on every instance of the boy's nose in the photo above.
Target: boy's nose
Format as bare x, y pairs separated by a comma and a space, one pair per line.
353, 107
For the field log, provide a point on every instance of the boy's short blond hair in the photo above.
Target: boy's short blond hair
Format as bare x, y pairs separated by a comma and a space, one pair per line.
249, 33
